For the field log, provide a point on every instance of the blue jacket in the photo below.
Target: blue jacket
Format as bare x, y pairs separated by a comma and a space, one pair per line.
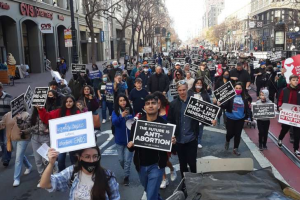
121, 131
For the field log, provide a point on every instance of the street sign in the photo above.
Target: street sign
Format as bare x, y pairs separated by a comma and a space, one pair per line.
68, 37
251, 24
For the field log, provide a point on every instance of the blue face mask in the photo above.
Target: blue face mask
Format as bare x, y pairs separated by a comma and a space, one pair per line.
279, 66
104, 79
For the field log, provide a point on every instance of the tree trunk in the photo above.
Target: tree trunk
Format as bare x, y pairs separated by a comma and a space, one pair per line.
119, 46
92, 34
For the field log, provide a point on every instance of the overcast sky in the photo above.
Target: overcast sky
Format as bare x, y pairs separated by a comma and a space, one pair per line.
187, 14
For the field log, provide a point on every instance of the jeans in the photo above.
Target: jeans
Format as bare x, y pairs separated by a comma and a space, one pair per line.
105, 105
6, 155
37, 141
125, 158
150, 178
20, 147
234, 129
62, 160
200, 133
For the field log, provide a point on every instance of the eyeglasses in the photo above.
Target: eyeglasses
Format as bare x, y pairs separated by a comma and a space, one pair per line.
94, 157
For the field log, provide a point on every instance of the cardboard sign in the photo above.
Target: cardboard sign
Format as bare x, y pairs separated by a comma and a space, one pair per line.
17, 105
28, 97
224, 93
40, 96
110, 92
263, 111
202, 111
72, 133
208, 82
292, 66
81, 68
153, 135
290, 115
173, 90
95, 74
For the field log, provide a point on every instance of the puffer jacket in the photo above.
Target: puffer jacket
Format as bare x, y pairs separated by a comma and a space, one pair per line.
39, 129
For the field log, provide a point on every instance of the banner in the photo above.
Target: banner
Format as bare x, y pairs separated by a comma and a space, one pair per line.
40, 96
173, 90
153, 135
28, 97
109, 92
202, 111
72, 133
263, 111
95, 74
290, 115
17, 105
81, 68
225, 92
292, 66
147, 50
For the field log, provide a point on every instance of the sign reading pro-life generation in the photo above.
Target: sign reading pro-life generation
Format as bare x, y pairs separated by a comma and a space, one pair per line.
72, 133
153, 135
40, 96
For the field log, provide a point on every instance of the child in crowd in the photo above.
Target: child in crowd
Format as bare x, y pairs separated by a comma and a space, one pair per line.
81, 107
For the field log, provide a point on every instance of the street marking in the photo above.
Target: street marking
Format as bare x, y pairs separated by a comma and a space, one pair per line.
214, 129
110, 137
110, 151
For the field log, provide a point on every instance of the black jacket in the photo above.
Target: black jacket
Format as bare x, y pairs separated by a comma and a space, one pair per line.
161, 156
174, 115
228, 105
145, 79
158, 83
112, 73
203, 94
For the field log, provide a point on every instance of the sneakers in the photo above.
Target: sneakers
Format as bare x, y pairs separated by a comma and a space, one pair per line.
103, 121
261, 147
199, 146
5, 163
265, 147
236, 152
279, 143
126, 181
297, 153
173, 175
164, 184
144, 197
38, 185
226, 145
27, 171
16, 183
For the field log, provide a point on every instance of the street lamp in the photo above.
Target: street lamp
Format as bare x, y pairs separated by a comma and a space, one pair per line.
74, 37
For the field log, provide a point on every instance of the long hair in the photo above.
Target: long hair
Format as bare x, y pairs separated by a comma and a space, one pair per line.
243, 91
100, 177
34, 116
163, 100
91, 90
63, 109
204, 86
117, 107
49, 106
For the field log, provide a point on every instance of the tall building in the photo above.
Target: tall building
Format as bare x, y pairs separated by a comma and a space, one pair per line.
212, 10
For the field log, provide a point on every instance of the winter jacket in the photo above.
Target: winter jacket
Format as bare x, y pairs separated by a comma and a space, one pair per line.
203, 94
54, 114
38, 129
266, 94
91, 104
202, 74
145, 78
289, 95
122, 134
132, 73
228, 105
76, 86
158, 82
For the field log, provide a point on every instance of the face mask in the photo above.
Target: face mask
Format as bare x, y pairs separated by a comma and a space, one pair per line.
198, 87
50, 99
279, 66
268, 72
116, 66
226, 76
89, 166
104, 79
238, 92
145, 70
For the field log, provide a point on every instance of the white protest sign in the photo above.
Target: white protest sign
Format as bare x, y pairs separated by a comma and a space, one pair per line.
43, 151
40, 96
290, 115
17, 105
72, 133
28, 97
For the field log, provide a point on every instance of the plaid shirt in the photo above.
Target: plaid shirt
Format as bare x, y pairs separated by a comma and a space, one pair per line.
5, 100
61, 182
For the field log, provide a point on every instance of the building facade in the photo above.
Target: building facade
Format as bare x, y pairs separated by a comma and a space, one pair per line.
213, 8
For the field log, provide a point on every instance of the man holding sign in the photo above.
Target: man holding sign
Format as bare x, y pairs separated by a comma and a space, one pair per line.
150, 163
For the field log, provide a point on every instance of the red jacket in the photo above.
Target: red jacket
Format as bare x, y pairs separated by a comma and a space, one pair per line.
288, 95
46, 116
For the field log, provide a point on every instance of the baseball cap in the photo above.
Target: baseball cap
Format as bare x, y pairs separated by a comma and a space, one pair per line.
177, 63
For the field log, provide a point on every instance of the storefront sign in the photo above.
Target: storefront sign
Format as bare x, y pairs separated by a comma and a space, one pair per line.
4, 6
153, 135
202, 111
46, 27
17, 105
109, 92
263, 111
225, 92
40, 96
61, 17
72, 133
28, 97
33, 11
290, 115
78, 68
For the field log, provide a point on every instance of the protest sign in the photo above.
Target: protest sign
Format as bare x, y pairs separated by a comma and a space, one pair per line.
95, 74
208, 82
72, 133
290, 115
173, 90
153, 135
28, 97
109, 92
292, 66
81, 68
40, 96
17, 105
263, 111
224, 93
201, 111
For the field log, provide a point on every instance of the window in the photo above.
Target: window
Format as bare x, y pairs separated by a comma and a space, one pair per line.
277, 13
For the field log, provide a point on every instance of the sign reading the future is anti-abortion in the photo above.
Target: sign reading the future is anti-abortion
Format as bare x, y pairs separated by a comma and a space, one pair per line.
72, 133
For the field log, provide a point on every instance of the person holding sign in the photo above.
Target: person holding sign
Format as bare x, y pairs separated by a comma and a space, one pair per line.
86, 179
237, 110
68, 108
102, 92
122, 112
150, 164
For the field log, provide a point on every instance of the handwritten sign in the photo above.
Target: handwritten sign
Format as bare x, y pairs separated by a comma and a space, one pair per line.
72, 133
173, 90
28, 97
110, 92
263, 111
290, 115
225, 92
153, 135
40, 96
17, 105
78, 68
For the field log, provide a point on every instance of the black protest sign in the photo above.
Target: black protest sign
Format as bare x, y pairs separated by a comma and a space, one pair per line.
17, 105
153, 135
224, 93
263, 111
201, 111
173, 90
78, 68
28, 97
40, 96
208, 82
109, 92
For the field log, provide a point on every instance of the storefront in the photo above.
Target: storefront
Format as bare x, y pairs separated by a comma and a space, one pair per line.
33, 33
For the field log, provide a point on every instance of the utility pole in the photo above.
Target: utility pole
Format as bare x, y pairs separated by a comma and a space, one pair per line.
74, 38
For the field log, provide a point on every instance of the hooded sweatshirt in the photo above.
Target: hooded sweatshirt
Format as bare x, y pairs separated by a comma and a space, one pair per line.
266, 94
289, 95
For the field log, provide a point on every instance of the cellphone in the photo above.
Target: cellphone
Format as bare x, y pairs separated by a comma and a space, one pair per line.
127, 109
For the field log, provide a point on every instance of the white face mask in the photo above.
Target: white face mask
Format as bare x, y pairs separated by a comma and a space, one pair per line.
268, 72
145, 70
198, 87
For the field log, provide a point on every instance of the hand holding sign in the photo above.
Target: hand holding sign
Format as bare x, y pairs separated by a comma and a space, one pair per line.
52, 155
